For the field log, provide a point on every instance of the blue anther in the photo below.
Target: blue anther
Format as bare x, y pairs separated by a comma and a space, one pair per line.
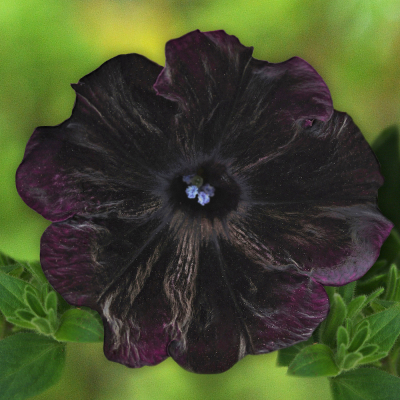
208, 190
203, 198
188, 179
192, 191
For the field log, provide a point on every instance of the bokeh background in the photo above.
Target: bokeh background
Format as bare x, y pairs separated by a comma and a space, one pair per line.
47, 44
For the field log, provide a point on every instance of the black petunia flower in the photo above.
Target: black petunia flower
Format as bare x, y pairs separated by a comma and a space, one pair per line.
200, 207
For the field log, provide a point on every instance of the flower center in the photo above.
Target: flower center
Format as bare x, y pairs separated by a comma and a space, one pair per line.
208, 190
197, 188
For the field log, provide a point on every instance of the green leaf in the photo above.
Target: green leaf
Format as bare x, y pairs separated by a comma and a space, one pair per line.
356, 306
30, 363
6, 260
373, 358
21, 323
51, 301
385, 327
287, 355
342, 336
341, 354
347, 291
78, 325
314, 360
374, 295
335, 318
385, 304
391, 283
36, 271
359, 339
348, 324
365, 384
34, 304
42, 325
369, 349
351, 360
396, 296
11, 294
25, 315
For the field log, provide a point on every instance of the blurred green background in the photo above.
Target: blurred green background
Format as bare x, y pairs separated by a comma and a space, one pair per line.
47, 44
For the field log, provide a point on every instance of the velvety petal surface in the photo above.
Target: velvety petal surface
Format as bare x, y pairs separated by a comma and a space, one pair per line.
313, 202
103, 158
333, 244
118, 270
220, 88
243, 308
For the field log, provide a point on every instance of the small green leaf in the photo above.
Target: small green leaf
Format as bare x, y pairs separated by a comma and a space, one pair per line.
42, 325
356, 306
52, 318
385, 327
348, 324
372, 358
396, 296
359, 339
34, 304
365, 384
369, 349
347, 291
78, 325
20, 323
351, 360
30, 363
16, 270
384, 304
36, 271
6, 260
287, 355
335, 318
361, 325
342, 336
391, 283
51, 301
374, 295
25, 315
11, 294
314, 360
341, 354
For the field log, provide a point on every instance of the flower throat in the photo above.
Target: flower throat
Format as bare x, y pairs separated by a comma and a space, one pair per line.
197, 188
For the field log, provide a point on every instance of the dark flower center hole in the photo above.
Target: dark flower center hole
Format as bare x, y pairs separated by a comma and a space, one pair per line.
209, 190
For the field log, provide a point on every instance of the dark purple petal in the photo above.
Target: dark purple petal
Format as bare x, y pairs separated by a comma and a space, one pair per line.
202, 74
334, 244
275, 104
243, 308
103, 158
328, 162
227, 96
313, 202
118, 271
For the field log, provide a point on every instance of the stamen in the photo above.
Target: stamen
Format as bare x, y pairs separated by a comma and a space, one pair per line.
196, 188
203, 198
208, 190
192, 191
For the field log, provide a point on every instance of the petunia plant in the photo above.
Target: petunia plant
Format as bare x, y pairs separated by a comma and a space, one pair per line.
210, 209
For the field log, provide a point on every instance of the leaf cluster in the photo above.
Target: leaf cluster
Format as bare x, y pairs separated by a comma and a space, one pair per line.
357, 346
35, 324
